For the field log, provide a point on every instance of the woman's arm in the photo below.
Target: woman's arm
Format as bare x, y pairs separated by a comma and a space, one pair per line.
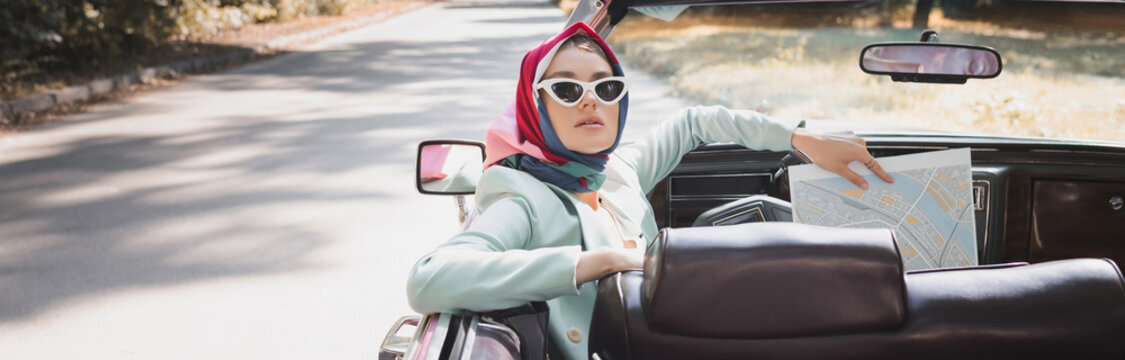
596, 263
488, 267
655, 155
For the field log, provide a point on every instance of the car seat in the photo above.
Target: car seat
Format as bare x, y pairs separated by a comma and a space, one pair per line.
792, 291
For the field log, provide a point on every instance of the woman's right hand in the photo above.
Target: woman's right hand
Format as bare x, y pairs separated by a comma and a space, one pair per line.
593, 264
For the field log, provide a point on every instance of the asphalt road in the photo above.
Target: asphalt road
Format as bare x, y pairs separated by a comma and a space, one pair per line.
265, 212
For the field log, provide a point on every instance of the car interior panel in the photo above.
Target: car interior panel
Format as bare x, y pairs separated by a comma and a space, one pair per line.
1034, 201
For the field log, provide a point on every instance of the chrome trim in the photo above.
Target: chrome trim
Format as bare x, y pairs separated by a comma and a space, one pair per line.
485, 323
489, 323
1075, 151
802, 155
506, 330
396, 346
980, 196
473, 215
593, 13
931, 147
470, 338
1067, 151
919, 133
441, 331
756, 209
1056, 162
462, 210
1089, 148
918, 147
987, 209
412, 353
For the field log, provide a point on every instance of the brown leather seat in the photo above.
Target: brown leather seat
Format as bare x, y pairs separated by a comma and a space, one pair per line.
789, 291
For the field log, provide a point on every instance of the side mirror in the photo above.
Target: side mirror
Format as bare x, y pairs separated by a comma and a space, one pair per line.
930, 62
449, 167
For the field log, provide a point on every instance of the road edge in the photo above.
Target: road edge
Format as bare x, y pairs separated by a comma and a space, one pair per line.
57, 99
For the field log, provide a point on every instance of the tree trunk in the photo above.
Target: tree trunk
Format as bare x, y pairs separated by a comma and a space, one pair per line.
922, 13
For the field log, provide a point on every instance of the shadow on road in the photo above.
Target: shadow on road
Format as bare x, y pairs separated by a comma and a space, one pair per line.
528, 20
68, 232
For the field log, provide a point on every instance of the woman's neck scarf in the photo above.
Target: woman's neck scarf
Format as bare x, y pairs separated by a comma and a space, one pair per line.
522, 137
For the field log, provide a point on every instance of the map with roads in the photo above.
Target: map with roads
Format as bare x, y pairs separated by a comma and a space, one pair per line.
929, 206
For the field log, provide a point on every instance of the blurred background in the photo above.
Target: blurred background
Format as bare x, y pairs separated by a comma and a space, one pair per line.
265, 207
53, 44
1063, 63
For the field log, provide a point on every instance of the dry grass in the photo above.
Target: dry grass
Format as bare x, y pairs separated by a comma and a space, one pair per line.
1054, 84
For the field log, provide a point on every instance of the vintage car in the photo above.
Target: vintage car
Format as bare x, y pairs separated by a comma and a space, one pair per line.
1049, 214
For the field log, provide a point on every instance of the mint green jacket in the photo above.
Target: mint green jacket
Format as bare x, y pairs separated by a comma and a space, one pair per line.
525, 243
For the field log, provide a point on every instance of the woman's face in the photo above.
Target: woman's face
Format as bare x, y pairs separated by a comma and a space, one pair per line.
588, 127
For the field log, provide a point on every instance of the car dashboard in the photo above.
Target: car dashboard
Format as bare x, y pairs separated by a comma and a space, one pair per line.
1035, 200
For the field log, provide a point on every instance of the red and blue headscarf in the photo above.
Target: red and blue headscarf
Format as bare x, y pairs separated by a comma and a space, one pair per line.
522, 136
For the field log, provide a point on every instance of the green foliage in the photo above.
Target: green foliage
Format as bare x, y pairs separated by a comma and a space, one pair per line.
41, 36
210, 16
76, 27
47, 35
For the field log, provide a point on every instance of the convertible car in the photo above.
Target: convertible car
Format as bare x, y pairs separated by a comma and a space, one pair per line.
1047, 198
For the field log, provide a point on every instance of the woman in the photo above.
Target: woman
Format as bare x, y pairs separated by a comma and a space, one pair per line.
559, 207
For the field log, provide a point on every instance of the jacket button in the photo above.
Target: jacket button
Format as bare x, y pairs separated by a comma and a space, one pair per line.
574, 335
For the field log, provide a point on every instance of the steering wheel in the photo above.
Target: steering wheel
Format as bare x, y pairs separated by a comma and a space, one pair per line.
773, 206
780, 188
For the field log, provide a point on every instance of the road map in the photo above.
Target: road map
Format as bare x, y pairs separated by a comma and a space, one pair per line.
929, 205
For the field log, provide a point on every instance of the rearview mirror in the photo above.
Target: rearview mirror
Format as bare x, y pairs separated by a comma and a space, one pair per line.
449, 167
930, 62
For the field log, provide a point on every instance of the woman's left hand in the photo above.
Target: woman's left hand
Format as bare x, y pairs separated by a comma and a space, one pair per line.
834, 152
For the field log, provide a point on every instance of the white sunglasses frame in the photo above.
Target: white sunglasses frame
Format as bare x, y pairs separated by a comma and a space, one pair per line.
586, 87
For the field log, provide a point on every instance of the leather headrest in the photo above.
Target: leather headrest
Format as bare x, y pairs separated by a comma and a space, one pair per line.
773, 280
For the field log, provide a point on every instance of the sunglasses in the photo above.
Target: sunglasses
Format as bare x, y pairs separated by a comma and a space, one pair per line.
569, 92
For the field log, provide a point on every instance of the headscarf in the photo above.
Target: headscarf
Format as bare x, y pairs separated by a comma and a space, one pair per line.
522, 137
